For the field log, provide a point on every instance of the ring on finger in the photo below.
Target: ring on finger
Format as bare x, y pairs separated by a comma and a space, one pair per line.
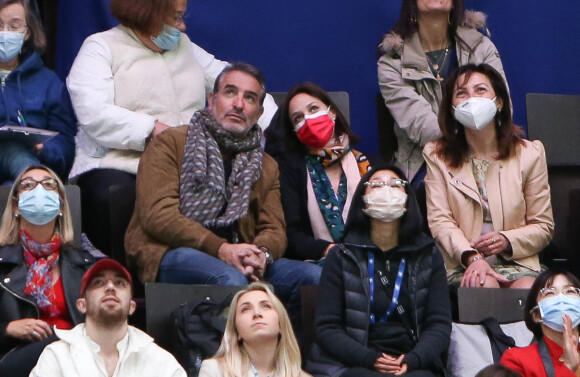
493, 240
34, 334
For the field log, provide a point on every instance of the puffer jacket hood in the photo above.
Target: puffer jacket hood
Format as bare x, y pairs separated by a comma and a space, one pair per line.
392, 43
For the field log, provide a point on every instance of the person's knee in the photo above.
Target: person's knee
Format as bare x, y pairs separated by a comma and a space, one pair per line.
490, 282
307, 273
231, 278
17, 158
190, 266
310, 274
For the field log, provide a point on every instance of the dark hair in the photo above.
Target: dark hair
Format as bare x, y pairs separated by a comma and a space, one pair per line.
144, 16
359, 222
497, 370
292, 144
406, 25
545, 279
246, 68
452, 146
37, 38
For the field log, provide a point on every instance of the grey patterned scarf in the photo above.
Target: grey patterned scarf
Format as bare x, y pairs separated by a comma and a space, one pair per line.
203, 192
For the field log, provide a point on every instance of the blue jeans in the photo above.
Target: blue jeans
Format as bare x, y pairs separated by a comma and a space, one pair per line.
190, 266
14, 157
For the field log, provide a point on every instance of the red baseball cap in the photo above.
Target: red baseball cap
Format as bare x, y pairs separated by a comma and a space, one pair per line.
104, 264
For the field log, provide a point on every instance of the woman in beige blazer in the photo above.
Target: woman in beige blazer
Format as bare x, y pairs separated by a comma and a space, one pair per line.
488, 197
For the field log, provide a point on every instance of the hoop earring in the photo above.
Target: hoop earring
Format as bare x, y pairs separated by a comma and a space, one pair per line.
413, 19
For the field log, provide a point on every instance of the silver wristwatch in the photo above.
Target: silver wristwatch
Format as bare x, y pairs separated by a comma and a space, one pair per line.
269, 259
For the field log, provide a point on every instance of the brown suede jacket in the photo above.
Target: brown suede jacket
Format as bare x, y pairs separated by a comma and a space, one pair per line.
157, 224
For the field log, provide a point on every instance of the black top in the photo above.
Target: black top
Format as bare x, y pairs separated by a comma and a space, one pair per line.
343, 329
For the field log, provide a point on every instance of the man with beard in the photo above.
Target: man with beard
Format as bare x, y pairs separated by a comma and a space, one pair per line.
105, 345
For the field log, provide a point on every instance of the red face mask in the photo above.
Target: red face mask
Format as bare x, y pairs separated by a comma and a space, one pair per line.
316, 129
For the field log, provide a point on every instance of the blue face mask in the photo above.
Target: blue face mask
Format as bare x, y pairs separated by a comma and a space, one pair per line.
168, 38
552, 310
39, 206
10, 44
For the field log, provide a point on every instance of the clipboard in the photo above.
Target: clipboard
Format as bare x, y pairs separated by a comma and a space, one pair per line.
26, 135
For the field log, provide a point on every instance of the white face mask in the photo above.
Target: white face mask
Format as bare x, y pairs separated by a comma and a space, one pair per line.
385, 204
475, 112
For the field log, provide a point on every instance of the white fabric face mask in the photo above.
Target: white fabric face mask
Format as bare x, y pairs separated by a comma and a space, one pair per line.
385, 204
475, 112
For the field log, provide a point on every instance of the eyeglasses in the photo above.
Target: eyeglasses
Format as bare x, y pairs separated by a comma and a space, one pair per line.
180, 18
12, 27
27, 184
393, 182
553, 291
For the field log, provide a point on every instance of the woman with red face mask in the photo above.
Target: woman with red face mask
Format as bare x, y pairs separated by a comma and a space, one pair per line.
319, 169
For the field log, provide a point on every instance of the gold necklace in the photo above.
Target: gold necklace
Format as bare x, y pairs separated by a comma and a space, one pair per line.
436, 66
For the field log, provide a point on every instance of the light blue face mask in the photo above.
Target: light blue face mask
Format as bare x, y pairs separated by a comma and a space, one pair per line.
552, 310
168, 38
10, 44
39, 206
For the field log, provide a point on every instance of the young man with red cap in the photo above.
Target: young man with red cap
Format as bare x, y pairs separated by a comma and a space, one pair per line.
105, 345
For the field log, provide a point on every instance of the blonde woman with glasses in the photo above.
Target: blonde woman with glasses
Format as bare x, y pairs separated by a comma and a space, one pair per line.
258, 340
40, 270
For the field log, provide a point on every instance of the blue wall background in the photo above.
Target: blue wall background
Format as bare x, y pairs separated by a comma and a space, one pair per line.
332, 43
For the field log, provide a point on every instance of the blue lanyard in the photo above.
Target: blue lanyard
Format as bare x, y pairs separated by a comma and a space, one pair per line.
396, 291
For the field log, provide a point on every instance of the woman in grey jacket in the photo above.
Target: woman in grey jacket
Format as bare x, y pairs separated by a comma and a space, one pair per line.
385, 307
429, 40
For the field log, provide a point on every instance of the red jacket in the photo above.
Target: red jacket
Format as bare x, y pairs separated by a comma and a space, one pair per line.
527, 361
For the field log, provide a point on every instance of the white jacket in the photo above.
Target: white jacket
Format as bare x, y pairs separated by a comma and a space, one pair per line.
119, 88
71, 356
211, 368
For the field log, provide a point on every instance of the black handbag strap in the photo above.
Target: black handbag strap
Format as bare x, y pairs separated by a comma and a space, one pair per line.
546, 359
498, 340
404, 316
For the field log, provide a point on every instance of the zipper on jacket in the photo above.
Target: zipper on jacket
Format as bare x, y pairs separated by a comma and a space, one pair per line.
21, 298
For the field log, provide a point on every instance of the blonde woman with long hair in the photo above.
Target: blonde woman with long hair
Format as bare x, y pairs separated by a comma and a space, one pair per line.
258, 340
40, 270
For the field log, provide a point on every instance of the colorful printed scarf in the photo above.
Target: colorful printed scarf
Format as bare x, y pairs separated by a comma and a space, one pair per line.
41, 259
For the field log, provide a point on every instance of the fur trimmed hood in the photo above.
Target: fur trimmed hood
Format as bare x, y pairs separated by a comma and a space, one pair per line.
392, 44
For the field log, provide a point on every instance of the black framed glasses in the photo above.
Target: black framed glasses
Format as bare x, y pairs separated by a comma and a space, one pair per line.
28, 183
